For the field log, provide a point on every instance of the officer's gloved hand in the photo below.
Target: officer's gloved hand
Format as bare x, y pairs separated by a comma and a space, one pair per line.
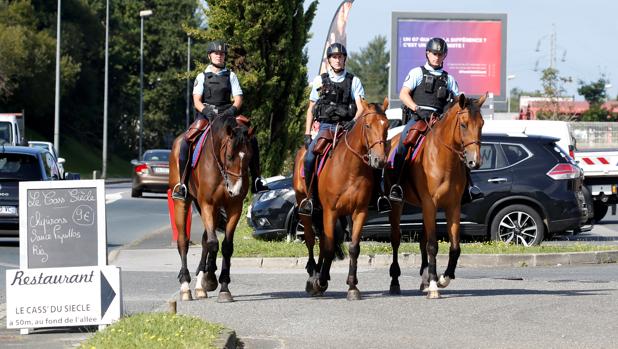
307, 141
231, 111
348, 125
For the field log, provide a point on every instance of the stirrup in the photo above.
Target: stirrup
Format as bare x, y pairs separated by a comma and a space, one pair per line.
384, 205
305, 207
396, 193
179, 192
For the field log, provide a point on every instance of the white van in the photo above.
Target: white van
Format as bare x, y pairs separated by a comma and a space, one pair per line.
11, 128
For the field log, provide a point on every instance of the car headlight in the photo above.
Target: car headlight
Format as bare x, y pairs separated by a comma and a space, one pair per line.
273, 194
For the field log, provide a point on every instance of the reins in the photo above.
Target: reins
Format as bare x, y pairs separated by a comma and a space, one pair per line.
459, 153
222, 168
364, 158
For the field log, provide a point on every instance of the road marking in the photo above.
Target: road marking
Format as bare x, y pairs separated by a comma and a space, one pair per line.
109, 198
9, 265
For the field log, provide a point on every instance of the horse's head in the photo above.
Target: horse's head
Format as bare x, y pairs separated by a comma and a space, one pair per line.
470, 123
374, 129
233, 152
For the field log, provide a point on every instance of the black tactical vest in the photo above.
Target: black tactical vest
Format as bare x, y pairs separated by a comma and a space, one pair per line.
433, 91
335, 103
217, 89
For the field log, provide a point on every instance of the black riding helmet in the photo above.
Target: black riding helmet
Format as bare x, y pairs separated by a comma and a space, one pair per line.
336, 48
436, 45
217, 46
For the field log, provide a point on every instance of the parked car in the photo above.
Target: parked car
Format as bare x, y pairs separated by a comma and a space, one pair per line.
21, 164
152, 173
50, 147
531, 188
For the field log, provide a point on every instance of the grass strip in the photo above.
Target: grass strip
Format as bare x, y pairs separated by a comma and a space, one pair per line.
156, 330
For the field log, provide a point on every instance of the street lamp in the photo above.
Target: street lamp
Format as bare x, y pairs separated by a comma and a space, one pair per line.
142, 14
188, 80
508, 92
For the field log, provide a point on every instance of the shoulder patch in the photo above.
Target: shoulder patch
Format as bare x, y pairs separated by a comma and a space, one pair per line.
195, 83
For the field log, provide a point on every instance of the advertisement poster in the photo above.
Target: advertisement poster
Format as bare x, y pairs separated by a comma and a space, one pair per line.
474, 51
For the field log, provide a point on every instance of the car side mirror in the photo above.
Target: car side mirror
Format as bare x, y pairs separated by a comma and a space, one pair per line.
61, 161
69, 176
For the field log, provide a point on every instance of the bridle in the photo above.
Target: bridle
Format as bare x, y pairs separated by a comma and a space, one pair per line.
225, 173
460, 153
365, 157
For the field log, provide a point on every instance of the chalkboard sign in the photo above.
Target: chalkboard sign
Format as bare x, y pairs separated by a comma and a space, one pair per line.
62, 224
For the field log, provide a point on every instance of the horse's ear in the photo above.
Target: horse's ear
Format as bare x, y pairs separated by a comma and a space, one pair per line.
482, 99
364, 103
251, 131
462, 101
385, 104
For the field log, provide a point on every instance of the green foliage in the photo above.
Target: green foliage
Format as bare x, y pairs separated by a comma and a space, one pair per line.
266, 41
593, 92
371, 66
596, 113
553, 89
156, 330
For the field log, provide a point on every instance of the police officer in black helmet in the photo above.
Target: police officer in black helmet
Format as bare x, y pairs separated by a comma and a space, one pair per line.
335, 99
216, 92
426, 90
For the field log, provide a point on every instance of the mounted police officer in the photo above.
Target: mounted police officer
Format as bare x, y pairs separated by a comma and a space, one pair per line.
425, 92
216, 92
335, 99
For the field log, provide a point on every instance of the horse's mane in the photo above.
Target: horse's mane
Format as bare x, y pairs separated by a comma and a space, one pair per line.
240, 134
377, 107
469, 104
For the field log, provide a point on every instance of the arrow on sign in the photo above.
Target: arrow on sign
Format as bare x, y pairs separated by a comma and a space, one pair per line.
107, 295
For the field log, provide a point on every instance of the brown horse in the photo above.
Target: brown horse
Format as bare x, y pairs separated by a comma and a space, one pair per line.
344, 188
435, 179
219, 181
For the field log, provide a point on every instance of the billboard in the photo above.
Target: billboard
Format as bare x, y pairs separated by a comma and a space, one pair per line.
476, 50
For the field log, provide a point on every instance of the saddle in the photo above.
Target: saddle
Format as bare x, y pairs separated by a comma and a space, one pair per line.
419, 129
325, 140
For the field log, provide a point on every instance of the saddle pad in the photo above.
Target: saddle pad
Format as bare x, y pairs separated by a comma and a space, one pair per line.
198, 147
415, 151
321, 159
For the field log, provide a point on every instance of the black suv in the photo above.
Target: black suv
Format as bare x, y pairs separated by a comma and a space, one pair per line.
22, 164
531, 189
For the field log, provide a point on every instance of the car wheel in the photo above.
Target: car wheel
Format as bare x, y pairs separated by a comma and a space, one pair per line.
518, 224
136, 193
600, 210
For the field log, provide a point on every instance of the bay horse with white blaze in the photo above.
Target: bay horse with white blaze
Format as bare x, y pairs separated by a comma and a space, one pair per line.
344, 188
436, 178
219, 180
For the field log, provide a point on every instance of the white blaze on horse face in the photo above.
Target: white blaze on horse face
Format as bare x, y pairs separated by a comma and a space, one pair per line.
234, 189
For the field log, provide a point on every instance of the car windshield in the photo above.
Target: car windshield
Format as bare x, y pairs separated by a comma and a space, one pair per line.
5, 132
19, 166
157, 156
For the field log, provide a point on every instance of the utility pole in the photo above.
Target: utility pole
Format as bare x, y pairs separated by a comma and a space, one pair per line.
104, 169
57, 96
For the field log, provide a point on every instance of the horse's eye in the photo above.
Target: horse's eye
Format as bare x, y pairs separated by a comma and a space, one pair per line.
464, 126
367, 126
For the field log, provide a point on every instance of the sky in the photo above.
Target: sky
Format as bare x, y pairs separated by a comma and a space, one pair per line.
586, 31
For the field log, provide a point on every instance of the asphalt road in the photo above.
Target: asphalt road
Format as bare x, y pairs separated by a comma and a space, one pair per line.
556, 307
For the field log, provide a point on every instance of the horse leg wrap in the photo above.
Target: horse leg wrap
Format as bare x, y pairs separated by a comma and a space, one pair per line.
213, 249
184, 275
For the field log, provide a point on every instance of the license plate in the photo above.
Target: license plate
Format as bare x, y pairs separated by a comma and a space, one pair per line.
161, 170
601, 188
8, 210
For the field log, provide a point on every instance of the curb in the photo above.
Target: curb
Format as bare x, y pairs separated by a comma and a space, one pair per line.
465, 260
227, 339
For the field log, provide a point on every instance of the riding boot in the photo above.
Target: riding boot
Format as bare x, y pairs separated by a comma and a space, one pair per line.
396, 192
472, 192
305, 207
383, 205
180, 189
258, 184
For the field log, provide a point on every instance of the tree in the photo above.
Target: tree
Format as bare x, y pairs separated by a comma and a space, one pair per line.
595, 94
266, 41
553, 89
371, 66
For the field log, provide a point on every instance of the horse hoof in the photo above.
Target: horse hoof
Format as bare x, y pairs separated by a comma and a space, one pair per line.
185, 296
225, 297
395, 290
424, 287
319, 288
211, 283
200, 293
309, 286
354, 295
433, 295
444, 281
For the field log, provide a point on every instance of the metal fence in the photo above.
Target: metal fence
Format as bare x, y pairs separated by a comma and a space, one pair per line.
595, 135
